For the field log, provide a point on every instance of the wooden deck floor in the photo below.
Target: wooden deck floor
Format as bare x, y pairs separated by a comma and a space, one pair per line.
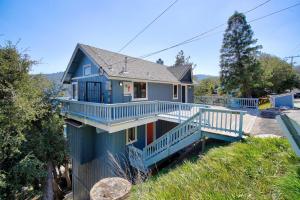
248, 119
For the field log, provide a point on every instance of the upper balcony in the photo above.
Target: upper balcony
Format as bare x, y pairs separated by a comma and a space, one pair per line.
120, 116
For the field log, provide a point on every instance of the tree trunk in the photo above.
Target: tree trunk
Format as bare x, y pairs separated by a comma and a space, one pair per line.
67, 176
55, 172
48, 190
58, 193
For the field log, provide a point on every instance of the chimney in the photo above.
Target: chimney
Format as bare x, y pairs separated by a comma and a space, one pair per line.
125, 66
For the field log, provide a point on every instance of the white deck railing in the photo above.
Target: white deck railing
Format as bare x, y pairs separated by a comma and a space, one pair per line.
229, 122
228, 101
112, 113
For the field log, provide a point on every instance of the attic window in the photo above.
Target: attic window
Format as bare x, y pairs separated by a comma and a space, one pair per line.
87, 70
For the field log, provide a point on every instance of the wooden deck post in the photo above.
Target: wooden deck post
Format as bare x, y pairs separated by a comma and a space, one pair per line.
179, 116
203, 142
241, 124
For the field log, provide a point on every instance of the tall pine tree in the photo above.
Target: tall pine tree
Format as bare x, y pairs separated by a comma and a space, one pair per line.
240, 69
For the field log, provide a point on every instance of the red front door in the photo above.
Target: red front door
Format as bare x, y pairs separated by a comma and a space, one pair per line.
150, 133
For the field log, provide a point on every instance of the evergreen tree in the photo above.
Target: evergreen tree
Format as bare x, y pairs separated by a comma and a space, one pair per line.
240, 69
160, 61
181, 59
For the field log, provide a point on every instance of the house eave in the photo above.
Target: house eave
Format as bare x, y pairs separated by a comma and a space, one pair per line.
142, 80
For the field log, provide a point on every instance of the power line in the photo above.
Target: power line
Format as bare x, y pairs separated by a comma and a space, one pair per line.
192, 39
147, 26
292, 59
210, 30
195, 37
273, 13
257, 6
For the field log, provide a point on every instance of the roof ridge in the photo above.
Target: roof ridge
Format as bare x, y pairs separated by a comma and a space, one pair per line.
120, 54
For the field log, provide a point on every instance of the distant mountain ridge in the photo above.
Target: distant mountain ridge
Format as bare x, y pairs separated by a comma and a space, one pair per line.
200, 77
54, 77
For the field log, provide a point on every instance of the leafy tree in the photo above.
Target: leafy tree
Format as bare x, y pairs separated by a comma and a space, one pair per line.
31, 133
240, 68
181, 59
207, 86
278, 75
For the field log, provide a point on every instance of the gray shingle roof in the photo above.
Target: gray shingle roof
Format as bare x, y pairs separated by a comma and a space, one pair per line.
179, 71
136, 68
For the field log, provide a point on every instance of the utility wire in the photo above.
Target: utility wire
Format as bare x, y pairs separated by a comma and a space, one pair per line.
273, 13
257, 7
147, 26
196, 37
192, 39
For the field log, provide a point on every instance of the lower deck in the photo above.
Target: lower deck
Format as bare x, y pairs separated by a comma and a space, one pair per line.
107, 140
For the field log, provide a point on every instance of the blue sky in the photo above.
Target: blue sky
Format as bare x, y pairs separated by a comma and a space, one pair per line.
50, 29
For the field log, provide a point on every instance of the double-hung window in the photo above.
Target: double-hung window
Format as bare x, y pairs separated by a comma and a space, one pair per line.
175, 91
131, 135
140, 91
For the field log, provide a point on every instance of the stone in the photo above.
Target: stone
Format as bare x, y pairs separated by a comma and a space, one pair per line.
114, 188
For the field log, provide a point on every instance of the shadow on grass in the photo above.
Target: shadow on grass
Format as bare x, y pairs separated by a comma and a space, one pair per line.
190, 154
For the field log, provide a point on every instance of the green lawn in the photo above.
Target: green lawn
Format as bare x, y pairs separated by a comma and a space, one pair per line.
253, 169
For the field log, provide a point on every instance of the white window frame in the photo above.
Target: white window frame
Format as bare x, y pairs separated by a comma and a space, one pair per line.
177, 91
154, 132
135, 135
86, 66
139, 99
76, 88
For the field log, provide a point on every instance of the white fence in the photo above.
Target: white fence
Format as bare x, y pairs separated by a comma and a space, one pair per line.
228, 101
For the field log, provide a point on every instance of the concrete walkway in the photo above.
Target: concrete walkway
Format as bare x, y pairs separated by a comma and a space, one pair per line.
297, 103
266, 126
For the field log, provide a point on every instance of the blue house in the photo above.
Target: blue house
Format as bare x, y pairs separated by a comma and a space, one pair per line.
128, 112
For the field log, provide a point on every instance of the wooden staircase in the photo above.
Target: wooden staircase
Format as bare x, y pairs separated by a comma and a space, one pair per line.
203, 124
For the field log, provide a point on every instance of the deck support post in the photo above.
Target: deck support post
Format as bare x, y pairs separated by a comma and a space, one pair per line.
203, 142
179, 113
241, 124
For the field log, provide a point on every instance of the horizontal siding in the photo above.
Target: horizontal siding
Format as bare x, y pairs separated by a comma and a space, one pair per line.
162, 92
190, 94
84, 60
104, 155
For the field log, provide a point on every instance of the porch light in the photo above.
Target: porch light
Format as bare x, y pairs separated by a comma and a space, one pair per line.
121, 83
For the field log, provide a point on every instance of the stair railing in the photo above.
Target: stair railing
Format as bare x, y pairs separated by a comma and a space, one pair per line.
173, 136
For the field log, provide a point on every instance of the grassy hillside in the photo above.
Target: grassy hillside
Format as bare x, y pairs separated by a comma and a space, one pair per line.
253, 169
